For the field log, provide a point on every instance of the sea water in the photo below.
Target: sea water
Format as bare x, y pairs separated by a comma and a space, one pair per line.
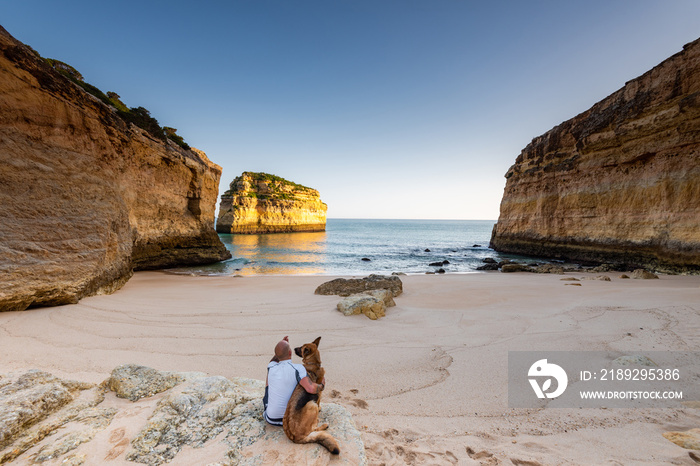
359, 247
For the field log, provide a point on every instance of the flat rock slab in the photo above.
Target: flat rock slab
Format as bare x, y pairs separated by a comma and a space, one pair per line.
350, 286
192, 419
135, 382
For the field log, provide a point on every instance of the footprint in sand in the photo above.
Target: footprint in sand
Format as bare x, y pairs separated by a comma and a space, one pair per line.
518, 462
118, 438
116, 435
359, 403
484, 457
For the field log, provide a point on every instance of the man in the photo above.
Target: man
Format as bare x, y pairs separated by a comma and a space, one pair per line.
282, 378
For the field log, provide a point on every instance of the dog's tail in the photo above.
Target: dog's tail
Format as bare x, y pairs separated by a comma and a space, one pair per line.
323, 438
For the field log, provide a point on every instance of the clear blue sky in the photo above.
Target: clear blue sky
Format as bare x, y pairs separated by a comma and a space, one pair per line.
390, 108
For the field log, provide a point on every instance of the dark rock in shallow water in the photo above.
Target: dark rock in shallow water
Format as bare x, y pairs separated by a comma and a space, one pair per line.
476, 246
439, 264
489, 260
366, 259
440, 270
488, 267
427, 250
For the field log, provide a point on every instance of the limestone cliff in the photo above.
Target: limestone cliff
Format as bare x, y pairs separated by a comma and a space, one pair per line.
86, 198
262, 203
618, 183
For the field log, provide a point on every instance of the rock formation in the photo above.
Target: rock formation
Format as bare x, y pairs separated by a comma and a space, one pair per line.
349, 286
261, 203
85, 197
618, 183
212, 419
372, 303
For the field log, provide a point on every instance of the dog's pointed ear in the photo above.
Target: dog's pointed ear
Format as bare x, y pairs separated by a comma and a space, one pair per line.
317, 341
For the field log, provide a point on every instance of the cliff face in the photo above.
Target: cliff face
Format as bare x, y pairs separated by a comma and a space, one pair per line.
617, 183
86, 198
262, 203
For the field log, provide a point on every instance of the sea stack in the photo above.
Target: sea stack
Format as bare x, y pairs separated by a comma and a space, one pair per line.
262, 203
86, 196
619, 183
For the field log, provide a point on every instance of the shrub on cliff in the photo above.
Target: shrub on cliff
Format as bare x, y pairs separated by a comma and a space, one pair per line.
139, 116
171, 134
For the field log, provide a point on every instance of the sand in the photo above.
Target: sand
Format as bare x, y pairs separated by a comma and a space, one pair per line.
427, 384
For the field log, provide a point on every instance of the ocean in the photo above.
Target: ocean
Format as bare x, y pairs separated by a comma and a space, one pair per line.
359, 247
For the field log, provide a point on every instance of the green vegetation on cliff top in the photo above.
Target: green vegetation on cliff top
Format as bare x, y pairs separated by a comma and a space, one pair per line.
136, 115
274, 183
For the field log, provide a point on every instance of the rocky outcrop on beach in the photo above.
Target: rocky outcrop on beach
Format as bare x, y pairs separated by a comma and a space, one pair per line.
190, 418
369, 295
371, 303
262, 203
349, 286
87, 197
619, 183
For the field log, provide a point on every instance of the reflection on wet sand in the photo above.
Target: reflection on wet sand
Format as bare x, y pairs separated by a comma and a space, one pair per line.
296, 253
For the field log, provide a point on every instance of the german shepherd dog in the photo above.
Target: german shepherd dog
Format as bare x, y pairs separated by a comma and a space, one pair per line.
301, 418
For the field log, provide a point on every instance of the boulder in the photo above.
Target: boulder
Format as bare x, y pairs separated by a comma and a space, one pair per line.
489, 260
643, 274
624, 276
43, 418
507, 268
134, 382
349, 286
436, 264
371, 306
384, 295
488, 267
550, 268
603, 278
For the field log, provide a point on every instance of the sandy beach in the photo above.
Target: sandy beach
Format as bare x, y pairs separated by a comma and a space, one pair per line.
427, 384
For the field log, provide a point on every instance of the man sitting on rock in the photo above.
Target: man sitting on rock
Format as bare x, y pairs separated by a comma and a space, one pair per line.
282, 377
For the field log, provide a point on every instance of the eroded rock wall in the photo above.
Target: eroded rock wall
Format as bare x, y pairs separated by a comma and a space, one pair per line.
261, 203
86, 198
618, 183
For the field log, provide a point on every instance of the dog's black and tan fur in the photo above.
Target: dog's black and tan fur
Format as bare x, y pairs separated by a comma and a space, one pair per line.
301, 418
